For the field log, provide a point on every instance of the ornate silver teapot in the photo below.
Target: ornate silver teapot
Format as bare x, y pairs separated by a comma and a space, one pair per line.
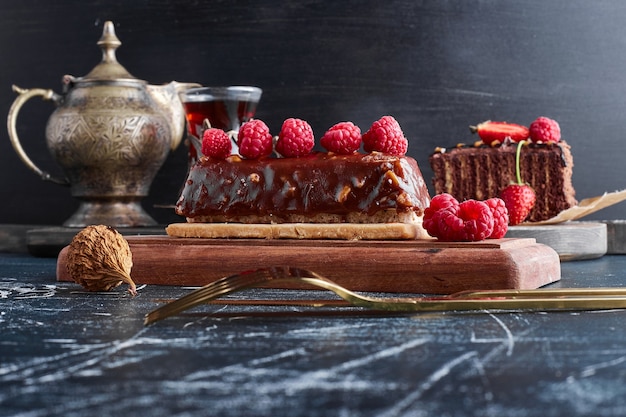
110, 133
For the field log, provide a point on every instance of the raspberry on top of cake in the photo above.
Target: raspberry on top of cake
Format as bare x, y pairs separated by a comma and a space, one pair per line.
341, 185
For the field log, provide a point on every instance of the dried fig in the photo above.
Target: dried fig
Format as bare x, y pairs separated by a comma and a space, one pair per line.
99, 259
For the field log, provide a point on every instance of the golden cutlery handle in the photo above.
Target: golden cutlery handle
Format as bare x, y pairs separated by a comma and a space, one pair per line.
551, 299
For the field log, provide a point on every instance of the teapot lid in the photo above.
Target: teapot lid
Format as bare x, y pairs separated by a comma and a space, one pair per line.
108, 69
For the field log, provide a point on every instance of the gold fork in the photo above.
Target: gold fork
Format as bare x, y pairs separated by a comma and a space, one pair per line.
540, 299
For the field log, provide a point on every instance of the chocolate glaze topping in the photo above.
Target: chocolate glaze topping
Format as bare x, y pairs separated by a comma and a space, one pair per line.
318, 183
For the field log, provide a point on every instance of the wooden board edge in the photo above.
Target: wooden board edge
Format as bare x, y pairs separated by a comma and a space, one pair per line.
429, 269
504, 243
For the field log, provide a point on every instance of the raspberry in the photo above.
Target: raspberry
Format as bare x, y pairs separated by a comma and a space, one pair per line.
254, 140
295, 138
216, 143
432, 213
442, 201
449, 226
477, 220
385, 135
344, 138
450, 221
544, 129
500, 217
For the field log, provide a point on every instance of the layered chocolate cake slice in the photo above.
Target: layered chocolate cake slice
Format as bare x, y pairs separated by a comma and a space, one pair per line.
481, 171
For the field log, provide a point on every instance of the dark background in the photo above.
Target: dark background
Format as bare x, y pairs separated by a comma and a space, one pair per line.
437, 66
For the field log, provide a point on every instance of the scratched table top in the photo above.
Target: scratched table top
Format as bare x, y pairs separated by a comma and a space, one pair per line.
65, 352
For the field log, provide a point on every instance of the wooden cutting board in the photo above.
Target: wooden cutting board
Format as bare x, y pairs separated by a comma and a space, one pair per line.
407, 266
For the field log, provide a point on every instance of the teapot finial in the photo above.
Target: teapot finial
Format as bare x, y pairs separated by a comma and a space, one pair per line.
109, 42
109, 68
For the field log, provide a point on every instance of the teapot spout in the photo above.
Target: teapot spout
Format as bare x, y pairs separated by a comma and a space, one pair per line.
167, 98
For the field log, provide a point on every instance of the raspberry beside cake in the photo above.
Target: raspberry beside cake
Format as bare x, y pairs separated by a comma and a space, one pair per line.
481, 171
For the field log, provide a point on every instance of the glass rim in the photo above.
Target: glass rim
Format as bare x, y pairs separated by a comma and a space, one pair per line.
197, 93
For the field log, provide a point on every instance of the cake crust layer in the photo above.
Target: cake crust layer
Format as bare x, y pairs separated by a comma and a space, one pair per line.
346, 231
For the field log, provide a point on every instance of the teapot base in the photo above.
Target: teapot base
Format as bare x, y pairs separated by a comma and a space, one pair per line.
114, 212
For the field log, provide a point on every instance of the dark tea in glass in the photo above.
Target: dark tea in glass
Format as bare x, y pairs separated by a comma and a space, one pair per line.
225, 108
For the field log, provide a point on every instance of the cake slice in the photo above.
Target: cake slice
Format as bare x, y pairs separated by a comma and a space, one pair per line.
338, 194
481, 171
321, 188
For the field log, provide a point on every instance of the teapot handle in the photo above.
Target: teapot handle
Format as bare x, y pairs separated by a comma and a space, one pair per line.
23, 96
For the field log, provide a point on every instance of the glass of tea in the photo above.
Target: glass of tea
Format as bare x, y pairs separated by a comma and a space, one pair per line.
224, 108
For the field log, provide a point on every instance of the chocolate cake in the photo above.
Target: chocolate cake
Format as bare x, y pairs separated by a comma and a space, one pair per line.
480, 172
318, 188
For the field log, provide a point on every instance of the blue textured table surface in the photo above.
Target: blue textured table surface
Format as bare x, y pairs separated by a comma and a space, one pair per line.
65, 352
